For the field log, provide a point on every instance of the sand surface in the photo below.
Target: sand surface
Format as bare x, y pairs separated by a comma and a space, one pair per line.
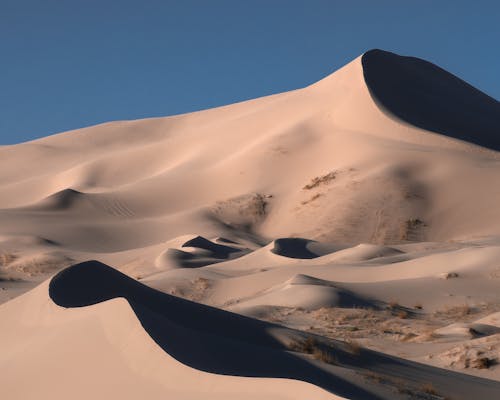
336, 241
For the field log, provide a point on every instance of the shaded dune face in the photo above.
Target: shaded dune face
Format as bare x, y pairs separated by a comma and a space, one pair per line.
302, 248
222, 342
202, 337
426, 96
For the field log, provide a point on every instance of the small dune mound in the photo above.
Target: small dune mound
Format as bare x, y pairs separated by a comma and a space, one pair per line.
426, 96
301, 248
216, 250
466, 331
62, 200
306, 292
301, 279
175, 258
197, 252
363, 252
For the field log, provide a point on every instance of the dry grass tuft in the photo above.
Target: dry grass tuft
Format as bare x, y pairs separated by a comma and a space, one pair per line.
320, 180
455, 312
483, 363
316, 196
393, 304
6, 259
311, 346
323, 355
353, 347
426, 391
429, 389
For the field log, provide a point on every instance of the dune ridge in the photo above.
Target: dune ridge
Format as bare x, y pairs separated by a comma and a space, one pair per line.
335, 241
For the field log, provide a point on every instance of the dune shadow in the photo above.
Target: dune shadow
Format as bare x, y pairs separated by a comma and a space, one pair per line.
302, 248
200, 336
428, 97
218, 341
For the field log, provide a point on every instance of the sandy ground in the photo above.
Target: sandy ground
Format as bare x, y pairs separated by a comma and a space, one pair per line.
337, 241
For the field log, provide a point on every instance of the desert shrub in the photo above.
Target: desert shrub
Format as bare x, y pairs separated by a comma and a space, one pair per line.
483, 363
319, 180
6, 259
311, 346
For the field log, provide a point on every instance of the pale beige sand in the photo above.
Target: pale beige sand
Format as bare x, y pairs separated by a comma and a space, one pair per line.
102, 351
209, 205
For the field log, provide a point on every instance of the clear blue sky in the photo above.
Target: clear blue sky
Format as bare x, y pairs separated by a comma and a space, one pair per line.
66, 64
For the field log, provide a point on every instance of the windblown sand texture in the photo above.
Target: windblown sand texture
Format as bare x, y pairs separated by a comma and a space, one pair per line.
340, 241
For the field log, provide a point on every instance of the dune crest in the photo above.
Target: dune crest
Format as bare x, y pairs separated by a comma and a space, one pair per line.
323, 243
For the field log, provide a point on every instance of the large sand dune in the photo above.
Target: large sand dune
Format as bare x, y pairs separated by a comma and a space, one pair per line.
361, 212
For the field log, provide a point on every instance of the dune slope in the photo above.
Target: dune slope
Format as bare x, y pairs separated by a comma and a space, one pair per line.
361, 211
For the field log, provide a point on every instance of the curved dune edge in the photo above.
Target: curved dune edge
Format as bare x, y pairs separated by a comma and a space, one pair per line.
103, 351
196, 335
428, 97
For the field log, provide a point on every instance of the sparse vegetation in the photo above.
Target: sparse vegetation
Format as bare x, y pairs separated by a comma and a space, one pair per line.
424, 392
319, 351
242, 211
455, 312
320, 180
429, 389
323, 355
316, 196
411, 229
483, 363
393, 304
413, 223
449, 275
353, 346
7, 258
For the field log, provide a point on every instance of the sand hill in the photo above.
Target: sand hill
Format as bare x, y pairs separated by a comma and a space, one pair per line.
336, 241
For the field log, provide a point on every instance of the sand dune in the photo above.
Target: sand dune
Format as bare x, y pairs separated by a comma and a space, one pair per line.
431, 98
358, 216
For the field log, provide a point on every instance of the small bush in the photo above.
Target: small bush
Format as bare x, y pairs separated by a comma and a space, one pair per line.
323, 355
6, 259
311, 346
319, 180
353, 347
483, 363
429, 389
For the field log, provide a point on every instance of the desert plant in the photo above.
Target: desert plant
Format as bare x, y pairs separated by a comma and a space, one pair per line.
6, 259
483, 363
319, 180
323, 355
311, 346
429, 389
353, 347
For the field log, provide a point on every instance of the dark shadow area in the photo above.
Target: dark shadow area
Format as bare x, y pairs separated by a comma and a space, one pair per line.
302, 248
216, 250
197, 335
217, 341
204, 252
428, 97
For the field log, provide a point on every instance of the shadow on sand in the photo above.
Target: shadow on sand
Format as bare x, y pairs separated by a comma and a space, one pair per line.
222, 342
431, 98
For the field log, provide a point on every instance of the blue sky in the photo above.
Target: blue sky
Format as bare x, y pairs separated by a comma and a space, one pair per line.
67, 64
